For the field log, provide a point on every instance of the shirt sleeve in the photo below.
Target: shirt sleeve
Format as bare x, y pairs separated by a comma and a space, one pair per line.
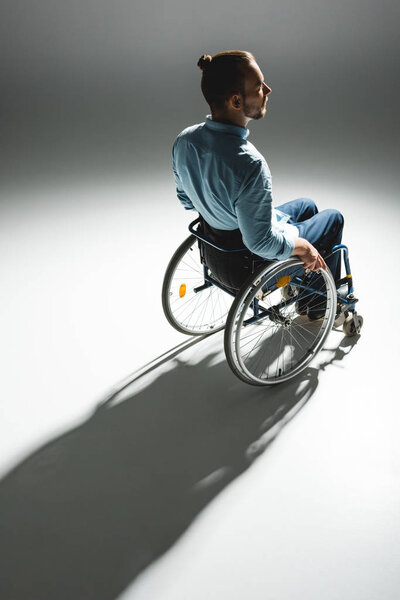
182, 196
253, 207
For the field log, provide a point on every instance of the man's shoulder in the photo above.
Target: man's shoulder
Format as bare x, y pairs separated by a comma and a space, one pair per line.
190, 132
240, 154
250, 160
251, 155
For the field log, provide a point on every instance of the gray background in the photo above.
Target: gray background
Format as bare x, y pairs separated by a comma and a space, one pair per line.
93, 89
93, 95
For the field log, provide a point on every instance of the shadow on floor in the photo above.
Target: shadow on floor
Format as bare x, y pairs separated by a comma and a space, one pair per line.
82, 516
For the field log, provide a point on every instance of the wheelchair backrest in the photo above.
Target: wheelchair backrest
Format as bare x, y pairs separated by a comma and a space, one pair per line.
224, 253
227, 237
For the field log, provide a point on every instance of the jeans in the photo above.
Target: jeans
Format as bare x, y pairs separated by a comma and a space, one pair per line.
322, 229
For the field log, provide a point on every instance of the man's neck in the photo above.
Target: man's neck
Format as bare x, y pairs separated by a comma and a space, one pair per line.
239, 120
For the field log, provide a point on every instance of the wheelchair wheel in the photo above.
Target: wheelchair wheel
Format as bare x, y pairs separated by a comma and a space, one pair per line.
267, 338
189, 309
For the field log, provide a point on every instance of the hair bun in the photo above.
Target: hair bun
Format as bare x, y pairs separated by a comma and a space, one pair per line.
204, 61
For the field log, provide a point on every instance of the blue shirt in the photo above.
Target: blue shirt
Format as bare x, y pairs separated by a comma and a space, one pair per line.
221, 175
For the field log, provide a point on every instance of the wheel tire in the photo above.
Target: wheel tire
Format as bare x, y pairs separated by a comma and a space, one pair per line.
189, 312
349, 327
287, 348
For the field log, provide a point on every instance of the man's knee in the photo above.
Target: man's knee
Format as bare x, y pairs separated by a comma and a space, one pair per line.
335, 218
309, 208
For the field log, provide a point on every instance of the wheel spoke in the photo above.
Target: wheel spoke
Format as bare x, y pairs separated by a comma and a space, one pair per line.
196, 312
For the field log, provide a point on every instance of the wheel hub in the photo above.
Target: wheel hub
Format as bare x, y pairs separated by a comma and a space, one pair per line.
276, 317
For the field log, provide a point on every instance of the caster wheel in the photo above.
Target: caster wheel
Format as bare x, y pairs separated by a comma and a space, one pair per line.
349, 327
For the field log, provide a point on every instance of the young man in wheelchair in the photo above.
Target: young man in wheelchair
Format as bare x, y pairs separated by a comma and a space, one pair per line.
221, 175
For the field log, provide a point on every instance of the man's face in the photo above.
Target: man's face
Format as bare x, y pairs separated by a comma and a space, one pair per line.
256, 92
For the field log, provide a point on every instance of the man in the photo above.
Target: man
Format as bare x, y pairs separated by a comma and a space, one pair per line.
221, 175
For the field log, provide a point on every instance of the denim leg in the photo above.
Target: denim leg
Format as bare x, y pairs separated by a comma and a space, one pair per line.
324, 230
299, 209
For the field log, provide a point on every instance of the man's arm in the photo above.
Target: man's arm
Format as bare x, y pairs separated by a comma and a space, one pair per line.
254, 213
253, 207
183, 197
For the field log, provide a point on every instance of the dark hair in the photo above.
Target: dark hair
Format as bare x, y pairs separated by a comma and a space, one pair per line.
223, 75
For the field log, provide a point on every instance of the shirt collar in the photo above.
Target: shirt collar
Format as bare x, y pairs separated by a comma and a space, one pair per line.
226, 128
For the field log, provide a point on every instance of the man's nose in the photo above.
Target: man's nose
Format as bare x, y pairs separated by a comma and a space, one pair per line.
267, 89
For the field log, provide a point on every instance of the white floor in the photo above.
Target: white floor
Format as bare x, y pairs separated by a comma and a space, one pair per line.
303, 499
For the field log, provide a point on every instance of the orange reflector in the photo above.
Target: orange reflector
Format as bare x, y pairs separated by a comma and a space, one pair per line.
182, 290
283, 281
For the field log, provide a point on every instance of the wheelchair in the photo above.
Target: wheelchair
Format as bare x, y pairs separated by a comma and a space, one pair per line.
268, 336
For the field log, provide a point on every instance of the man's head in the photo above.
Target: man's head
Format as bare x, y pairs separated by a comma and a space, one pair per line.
233, 85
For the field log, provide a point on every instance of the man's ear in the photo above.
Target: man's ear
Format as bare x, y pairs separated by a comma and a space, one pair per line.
236, 101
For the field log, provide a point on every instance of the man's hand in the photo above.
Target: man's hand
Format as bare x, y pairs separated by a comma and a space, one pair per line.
308, 254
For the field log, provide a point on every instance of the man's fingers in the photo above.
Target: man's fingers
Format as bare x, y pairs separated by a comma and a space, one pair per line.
323, 263
316, 264
312, 266
309, 265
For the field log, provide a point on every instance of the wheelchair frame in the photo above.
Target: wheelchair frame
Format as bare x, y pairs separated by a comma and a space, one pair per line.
256, 310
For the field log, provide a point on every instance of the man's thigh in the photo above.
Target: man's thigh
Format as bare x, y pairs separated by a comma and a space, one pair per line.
299, 209
323, 230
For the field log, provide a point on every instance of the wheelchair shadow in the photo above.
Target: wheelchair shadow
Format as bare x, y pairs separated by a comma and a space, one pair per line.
87, 512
